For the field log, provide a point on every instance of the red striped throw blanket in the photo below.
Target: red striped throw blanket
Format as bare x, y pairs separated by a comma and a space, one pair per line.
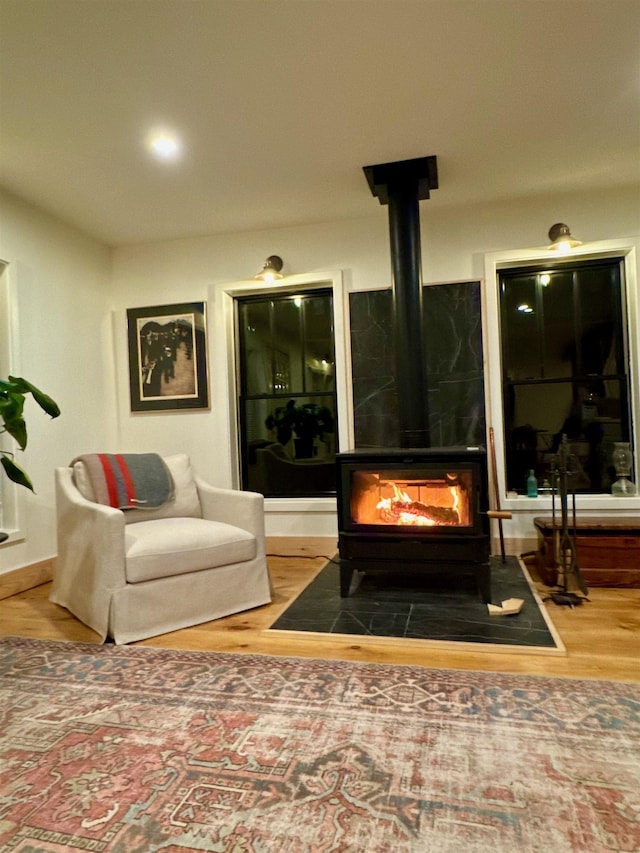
128, 480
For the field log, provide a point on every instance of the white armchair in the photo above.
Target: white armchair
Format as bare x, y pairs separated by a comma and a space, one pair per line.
138, 573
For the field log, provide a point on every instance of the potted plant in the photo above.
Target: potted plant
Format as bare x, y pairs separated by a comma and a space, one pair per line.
13, 393
307, 421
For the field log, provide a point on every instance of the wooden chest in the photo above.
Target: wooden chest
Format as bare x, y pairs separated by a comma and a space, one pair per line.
608, 550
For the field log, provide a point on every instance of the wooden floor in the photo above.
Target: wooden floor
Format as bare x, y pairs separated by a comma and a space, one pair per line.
602, 637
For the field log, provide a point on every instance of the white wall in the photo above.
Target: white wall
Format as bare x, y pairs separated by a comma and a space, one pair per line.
454, 244
58, 282
72, 295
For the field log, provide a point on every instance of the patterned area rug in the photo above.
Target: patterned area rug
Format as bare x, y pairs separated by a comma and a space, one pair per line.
123, 749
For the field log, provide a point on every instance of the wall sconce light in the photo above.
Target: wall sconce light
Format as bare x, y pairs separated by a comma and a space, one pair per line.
271, 269
561, 239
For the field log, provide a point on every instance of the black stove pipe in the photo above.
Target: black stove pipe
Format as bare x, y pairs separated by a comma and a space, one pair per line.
411, 388
401, 185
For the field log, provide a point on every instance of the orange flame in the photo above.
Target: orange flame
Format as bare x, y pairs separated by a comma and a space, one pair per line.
412, 517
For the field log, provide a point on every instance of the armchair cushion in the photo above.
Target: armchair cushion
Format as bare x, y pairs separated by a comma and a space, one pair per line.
175, 546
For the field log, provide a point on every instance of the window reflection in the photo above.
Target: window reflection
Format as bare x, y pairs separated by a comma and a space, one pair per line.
565, 370
287, 394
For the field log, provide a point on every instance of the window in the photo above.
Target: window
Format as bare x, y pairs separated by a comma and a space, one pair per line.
287, 399
565, 369
9, 496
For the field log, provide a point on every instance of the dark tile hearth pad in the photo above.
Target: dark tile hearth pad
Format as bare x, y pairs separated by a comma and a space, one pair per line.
428, 607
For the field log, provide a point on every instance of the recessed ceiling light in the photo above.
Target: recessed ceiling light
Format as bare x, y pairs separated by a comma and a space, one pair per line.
164, 145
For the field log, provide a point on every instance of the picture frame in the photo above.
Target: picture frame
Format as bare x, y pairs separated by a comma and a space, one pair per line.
168, 357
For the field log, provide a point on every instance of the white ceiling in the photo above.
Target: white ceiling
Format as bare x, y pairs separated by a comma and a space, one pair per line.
282, 102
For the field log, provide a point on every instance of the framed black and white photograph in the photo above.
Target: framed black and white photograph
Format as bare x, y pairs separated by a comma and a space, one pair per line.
168, 357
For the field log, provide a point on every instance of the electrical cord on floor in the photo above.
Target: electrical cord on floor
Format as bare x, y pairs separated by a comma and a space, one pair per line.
307, 557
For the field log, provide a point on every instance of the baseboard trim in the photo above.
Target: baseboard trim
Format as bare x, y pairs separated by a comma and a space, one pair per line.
26, 577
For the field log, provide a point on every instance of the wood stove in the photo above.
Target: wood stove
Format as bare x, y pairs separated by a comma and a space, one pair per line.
421, 508
414, 510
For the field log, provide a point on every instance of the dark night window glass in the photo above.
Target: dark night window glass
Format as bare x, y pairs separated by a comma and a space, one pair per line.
287, 399
565, 370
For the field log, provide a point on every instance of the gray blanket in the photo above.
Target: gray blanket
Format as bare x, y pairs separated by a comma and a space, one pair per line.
128, 480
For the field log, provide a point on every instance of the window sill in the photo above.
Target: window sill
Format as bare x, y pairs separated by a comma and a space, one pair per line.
14, 536
584, 503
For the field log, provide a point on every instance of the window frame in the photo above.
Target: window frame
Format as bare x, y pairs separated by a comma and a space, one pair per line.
629, 250
543, 339
224, 325
11, 496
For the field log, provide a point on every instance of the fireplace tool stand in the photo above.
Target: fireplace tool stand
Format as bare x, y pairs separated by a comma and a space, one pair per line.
564, 542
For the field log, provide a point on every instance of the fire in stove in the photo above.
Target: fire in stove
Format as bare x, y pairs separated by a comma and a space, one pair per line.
400, 509
394, 499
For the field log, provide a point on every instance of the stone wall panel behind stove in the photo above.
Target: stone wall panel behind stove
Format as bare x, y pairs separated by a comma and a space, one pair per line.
453, 343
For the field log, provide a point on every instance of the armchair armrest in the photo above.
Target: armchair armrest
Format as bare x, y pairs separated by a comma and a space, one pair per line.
91, 553
232, 506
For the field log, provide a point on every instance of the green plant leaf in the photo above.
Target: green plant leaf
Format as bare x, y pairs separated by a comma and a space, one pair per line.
43, 400
17, 429
11, 405
12, 397
19, 383
15, 473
